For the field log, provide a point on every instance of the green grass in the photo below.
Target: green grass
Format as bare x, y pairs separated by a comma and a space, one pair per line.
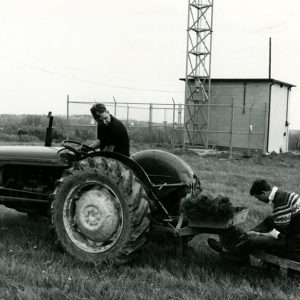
32, 267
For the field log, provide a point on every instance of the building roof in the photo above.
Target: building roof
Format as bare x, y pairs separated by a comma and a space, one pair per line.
270, 80
267, 80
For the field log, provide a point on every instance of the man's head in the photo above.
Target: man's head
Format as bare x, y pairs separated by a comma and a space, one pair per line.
261, 190
101, 114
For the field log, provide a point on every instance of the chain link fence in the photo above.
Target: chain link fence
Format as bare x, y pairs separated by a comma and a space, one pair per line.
230, 126
156, 123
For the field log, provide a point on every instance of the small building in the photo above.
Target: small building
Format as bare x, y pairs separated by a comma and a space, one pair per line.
246, 113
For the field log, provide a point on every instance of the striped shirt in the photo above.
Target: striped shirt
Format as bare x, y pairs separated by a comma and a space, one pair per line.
286, 213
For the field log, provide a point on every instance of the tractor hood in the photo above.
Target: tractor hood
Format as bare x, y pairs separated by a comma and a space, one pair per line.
39, 155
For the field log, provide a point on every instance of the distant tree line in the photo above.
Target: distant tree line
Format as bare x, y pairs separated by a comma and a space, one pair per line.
32, 128
29, 128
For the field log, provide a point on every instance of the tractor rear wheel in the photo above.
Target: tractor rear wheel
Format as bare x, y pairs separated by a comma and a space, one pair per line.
100, 211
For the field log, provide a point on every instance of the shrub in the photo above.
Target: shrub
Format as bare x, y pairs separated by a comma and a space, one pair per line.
205, 206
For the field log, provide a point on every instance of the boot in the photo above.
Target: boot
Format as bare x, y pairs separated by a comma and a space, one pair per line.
215, 245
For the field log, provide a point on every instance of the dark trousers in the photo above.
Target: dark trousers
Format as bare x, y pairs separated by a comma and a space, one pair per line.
267, 244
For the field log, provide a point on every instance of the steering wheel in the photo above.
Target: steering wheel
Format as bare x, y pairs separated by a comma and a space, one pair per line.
66, 143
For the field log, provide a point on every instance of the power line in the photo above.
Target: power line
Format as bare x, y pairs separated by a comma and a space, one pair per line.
29, 55
266, 28
85, 80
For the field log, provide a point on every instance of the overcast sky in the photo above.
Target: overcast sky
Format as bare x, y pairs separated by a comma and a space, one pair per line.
134, 50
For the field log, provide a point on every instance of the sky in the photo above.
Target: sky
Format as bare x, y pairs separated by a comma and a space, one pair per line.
135, 50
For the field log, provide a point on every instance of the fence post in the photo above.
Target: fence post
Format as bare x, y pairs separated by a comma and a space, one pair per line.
173, 126
67, 133
115, 106
208, 126
265, 144
127, 121
250, 129
165, 125
183, 134
179, 113
150, 121
231, 127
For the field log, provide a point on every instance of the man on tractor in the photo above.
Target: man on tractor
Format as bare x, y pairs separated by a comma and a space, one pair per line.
111, 133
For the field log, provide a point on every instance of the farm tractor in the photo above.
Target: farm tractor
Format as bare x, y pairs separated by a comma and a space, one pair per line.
101, 204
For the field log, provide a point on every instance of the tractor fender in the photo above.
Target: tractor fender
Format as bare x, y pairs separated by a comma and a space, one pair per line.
163, 167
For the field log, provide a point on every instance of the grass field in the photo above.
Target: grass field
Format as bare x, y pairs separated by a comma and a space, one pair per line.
32, 267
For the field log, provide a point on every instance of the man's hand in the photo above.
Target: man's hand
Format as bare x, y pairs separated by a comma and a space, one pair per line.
95, 145
253, 233
109, 148
85, 148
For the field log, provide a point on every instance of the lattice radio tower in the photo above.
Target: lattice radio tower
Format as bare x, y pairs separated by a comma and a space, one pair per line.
198, 69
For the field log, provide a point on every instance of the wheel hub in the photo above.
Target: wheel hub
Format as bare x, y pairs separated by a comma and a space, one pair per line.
97, 215
92, 216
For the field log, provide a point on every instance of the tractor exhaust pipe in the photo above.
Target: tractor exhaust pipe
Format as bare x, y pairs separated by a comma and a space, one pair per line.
48, 138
